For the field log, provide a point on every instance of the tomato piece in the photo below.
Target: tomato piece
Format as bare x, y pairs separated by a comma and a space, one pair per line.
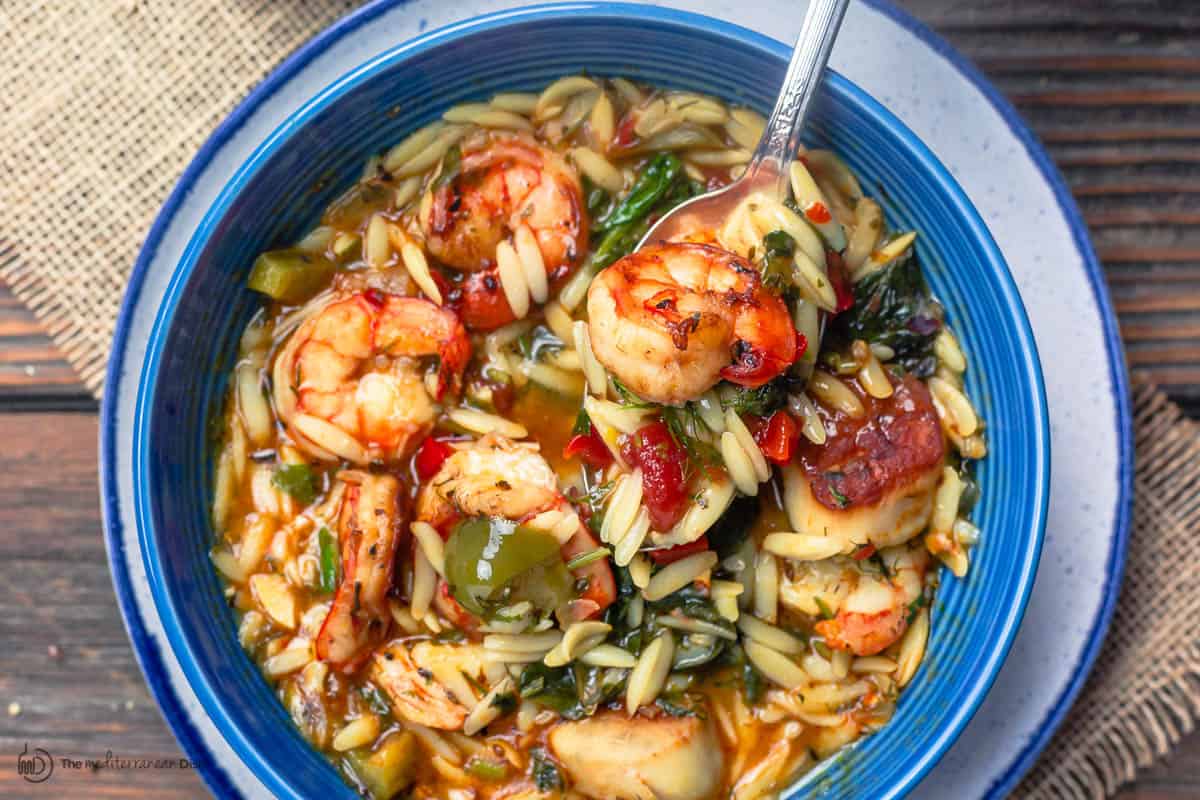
669, 555
599, 587
482, 304
625, 135
776, 436
818, 213
590, 448
662, 461
839, 276
863, 553
430, 457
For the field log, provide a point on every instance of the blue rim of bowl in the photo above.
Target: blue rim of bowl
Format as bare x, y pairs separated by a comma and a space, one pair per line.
216, 704
146, 650
1116, 364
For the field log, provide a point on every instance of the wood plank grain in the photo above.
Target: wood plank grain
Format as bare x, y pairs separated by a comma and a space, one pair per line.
33, 372
67, 661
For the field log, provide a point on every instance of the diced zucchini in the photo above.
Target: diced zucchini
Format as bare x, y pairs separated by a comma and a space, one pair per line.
390, 769
290, 276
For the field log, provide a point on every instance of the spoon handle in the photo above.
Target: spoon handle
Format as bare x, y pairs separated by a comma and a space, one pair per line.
781, 139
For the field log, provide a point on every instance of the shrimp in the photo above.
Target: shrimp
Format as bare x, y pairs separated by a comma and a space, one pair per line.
491, 477
425, 681
347, 384
496, 477
507, 182
673, 319
870, 603
371, 524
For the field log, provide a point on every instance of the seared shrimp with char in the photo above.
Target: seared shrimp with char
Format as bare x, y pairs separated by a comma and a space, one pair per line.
870, 601
371, 524
673, 319
508, 190
348, 383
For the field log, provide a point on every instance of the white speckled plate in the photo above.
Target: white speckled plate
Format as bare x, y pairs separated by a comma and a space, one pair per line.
1007, 176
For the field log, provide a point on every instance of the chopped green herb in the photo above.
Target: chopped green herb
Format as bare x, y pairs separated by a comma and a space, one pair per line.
914, 608
598, 201
761, 401
298, 480
687, 428
833, 476
375, 699
826, 612
628, 398
583, 423
583, 559
329, 560
451, 167
878, 561
823, 650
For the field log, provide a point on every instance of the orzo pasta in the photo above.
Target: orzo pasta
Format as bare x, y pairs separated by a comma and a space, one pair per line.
507, 509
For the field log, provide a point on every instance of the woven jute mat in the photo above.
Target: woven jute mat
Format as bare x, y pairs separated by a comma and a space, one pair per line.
104, 103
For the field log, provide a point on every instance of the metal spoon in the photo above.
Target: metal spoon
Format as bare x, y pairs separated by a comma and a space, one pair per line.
767, 171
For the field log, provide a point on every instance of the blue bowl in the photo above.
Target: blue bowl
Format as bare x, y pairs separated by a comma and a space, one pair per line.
280, 192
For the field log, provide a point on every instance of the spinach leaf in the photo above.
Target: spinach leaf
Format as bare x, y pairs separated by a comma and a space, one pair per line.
651, 185
552, 687
731, 529
692, 651
893, 307
544, 772
779, 248
298, 480
659, 187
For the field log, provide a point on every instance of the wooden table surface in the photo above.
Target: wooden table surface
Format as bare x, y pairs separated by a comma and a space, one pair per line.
1113, 89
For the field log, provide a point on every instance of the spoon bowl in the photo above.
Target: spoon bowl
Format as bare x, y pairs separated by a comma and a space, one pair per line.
767, 171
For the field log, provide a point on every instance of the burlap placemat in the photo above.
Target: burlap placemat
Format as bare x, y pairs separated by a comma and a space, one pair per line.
104, 103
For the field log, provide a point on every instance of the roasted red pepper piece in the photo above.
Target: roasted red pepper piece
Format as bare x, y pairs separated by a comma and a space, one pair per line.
589, 447
430, 457
670, 555
776, 436
863, 553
